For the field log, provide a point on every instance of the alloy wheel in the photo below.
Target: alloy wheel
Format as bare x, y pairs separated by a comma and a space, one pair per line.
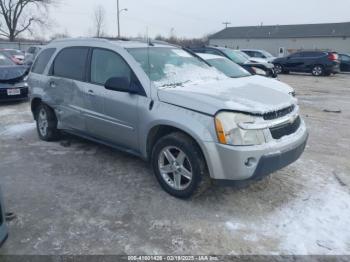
278, 69
175, 168
317, 70
43, 123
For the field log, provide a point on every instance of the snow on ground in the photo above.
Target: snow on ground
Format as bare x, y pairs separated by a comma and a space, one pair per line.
316, 222
15, 130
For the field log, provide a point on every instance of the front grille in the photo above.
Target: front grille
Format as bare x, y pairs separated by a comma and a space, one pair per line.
279, 113
285, 130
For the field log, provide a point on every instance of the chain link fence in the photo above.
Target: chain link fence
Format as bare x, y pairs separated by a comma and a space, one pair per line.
19, 45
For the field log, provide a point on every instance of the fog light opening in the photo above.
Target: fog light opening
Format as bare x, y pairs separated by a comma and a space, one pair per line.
251, 161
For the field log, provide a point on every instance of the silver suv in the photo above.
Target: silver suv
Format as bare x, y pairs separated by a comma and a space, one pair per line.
160, 102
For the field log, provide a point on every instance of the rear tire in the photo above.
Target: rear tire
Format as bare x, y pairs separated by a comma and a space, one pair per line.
179, 166
46, 123
318, 70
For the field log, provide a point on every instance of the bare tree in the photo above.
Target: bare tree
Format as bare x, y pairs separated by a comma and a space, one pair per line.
99, 21
18, 16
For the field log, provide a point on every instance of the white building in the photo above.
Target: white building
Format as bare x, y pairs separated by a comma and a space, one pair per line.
283, 39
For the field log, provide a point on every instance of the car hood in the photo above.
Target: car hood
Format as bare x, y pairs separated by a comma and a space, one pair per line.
254, 94
12, 73
278, 85
258, 60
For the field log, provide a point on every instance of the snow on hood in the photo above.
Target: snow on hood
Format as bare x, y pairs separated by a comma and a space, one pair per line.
175, 75
254, 94
8, 73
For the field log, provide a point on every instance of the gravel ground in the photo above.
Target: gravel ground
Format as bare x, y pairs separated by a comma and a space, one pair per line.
78, 197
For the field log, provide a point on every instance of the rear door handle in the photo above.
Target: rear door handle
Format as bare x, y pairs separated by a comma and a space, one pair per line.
52, 84
91, 93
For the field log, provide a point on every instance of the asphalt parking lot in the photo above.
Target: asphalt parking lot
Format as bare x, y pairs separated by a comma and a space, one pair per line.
78, 197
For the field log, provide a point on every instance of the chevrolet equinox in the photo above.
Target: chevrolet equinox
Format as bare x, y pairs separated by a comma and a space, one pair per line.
160, 102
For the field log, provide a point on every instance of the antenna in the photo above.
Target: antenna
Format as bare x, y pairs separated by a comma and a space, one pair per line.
226, 24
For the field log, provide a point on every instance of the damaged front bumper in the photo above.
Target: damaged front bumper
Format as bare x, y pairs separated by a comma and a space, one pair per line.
236, 163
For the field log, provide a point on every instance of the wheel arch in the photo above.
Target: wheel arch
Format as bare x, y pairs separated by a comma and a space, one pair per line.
160, 130
34, 105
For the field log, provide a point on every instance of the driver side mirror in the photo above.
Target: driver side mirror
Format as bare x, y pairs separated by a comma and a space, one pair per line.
120, 84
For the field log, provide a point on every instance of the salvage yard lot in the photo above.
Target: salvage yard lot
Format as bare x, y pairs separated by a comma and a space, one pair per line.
78, 197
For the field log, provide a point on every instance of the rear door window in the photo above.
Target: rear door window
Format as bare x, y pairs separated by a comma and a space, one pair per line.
312, 54
42, 60
71, 63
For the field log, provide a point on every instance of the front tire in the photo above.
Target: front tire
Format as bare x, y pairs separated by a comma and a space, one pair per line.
179, 166
278, 69
46, 123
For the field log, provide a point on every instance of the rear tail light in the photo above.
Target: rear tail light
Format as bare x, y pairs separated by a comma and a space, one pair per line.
333, 57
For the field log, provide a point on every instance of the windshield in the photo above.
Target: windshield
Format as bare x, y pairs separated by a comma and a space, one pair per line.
245, 55
266, 54
173, 66
235, 56
228, 67
4, 61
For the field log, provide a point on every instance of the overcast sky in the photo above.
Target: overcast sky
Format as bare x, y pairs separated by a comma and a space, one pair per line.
193, 18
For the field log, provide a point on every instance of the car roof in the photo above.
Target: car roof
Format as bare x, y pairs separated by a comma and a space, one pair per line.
256, 50
117, 42
209, 56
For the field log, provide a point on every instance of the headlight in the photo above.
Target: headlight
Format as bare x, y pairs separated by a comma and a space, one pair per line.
229, 133
259, 71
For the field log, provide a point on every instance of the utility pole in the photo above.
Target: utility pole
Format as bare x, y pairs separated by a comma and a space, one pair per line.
226, 24
118, 16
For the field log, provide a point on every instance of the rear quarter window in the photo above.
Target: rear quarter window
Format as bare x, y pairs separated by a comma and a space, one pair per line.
71, 63
42, 60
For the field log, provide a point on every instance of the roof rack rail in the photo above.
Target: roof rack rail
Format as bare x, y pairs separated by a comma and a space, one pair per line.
75, 39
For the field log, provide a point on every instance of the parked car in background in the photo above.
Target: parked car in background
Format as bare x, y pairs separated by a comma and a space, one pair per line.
318, 63
262, 54
233, 70
3, 227
344, 62
265, 69
161, 103
17, 56
252, 59
31, 54
13, 85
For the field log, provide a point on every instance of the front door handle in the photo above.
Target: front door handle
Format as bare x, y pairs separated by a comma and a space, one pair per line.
91, 93
52, 84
